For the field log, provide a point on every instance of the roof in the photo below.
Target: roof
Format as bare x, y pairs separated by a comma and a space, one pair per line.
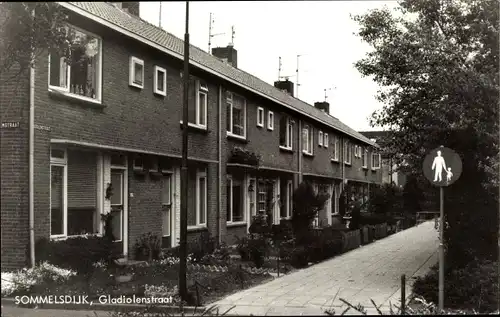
123, 22
375, 134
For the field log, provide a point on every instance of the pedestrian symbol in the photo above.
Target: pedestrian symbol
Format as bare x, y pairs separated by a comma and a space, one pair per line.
442, 166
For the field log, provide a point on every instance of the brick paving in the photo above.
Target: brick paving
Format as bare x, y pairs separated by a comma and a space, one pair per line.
369, 272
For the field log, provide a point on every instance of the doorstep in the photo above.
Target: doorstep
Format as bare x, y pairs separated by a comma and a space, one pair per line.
11, 302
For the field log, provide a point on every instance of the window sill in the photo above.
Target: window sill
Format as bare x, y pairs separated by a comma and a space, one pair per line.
307, 154
136, 85
347, 163
286, 149
260, 125
236, 224
239, 138
62, 238
375, 169
195, 127
334, 161
160, 93
94, 103
197, 228
365, 167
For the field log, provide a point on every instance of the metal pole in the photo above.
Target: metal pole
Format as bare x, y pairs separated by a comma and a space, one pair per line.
441, 249
403, 294
184, 165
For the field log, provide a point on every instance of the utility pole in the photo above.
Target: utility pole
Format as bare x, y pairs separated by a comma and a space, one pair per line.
184, 166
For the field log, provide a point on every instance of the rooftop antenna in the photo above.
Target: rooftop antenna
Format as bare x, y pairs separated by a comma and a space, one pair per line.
159, 20
326, 96
210, 35
297, 74
233, 32
279, 69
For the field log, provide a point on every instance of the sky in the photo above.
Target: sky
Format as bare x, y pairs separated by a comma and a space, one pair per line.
322, 32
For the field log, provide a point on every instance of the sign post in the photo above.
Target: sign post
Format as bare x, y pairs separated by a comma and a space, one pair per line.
442, 167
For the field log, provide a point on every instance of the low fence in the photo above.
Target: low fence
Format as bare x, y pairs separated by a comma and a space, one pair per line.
352, 240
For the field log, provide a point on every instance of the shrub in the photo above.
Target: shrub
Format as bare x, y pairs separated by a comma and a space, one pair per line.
23, 280
220, 256
387, 198
473, 287
205, 245
299, 257
78, 253
147, 247
306, 206
243, 156
242, 248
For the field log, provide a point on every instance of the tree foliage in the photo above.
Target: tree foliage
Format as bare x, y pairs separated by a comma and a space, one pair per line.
306, 205
28, 29
437, 64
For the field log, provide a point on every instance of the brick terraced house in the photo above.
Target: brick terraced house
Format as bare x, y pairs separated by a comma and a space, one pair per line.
108, 138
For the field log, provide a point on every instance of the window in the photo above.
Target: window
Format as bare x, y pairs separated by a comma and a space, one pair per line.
138, 163
136, 72
365, 158
375, 161
288, 206
160, 81
236, 115
235, 199
307, 140
286, 132
201, 103
355, 151
73, 193
264, 196
80, 75
166, 201
336, 148
320, 138
201, 198
325, 140
347, 152
260, 117
270, 120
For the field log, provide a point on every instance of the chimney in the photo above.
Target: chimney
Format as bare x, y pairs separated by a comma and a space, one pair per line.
131, 7
228, 54
285, 85
323, 106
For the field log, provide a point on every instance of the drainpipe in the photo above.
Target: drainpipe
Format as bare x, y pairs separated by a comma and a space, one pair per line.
31, 158
219, 167
342, 158
299, 152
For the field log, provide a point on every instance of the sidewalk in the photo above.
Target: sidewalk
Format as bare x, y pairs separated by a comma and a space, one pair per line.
369, 272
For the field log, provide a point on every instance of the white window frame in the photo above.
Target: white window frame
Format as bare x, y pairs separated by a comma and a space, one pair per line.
270, 120
320, 138
356, 147
201, 174
160, 90
154, 164
170, 177
336, 148
133, 61
347, 152
60, 162
288, 135
379, 161
66, 91
325, 140
230, 183
260, 115
365, 158
289, 194
310, 140
137, 168
229, 100
201, 88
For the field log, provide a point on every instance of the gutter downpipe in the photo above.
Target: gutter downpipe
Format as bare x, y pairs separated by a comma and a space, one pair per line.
31, 157
219, 165
300, 152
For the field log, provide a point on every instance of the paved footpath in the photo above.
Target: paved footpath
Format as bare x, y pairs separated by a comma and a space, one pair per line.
369, 272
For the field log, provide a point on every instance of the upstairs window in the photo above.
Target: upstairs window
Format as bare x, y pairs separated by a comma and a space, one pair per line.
375, 161
201, 103
160, 81
270, 120
336, 148
236, 115
286, 132
320, 138
260, 117
307, 140
79, 72
325, 140
365, 158
347, 152
136, 72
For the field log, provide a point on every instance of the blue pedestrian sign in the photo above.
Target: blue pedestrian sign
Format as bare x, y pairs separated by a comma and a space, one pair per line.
442, 166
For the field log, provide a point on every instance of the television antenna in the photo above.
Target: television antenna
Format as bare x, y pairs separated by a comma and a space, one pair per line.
233, 32
326, 90
210, 35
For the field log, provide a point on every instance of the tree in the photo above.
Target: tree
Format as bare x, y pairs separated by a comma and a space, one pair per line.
437, 64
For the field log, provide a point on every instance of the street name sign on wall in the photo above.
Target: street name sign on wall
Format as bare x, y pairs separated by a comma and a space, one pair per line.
442, 166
